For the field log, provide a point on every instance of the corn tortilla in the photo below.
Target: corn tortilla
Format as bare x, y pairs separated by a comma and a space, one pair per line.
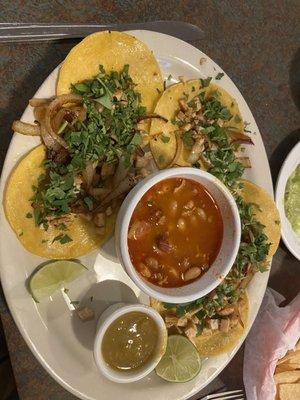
167, 106
17, 204
218, 342
113, 50
267, 213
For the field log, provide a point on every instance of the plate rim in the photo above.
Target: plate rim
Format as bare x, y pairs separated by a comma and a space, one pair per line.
9, 298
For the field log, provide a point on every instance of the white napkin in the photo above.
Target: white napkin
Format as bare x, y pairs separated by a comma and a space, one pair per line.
275, 331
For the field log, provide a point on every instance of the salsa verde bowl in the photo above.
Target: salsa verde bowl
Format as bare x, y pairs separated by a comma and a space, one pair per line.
228, 248
110, 315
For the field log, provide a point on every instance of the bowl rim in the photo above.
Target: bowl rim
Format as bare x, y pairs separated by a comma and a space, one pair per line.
112, 313
288, 235
124, 217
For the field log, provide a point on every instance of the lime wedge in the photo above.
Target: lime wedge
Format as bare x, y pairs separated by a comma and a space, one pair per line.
51, 276
181, 361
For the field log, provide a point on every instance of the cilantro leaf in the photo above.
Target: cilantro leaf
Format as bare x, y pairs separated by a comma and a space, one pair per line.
219, 76
62, 239
165, 139
188, 139
205, 82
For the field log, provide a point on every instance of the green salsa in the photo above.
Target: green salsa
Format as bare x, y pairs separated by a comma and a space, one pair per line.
130, 341
292, 200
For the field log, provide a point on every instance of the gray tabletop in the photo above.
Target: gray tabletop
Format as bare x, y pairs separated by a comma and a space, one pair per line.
255, 42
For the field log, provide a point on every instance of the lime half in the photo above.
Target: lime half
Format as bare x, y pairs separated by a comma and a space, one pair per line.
181, 361
51, 276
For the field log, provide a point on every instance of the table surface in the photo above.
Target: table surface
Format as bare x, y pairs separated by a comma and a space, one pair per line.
255, 42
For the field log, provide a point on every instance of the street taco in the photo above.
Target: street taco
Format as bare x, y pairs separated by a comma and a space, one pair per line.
185, 105
95, 147
64, 238
113, 50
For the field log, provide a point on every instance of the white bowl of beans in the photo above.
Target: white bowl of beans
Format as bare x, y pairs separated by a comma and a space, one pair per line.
178, 233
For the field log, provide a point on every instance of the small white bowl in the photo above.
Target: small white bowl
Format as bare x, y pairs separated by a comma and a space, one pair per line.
106, 319
229, 247
291, 240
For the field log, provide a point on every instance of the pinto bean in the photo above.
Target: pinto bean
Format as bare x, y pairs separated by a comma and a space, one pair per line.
152, 263
144, 270
191, 273
163, 244
138, 229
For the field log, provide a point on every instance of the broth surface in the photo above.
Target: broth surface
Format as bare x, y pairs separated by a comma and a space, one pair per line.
175, 232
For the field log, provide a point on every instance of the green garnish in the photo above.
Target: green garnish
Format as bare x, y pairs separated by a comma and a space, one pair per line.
29, 215
62, 239
219, 76
187, 139
62, 127
165, 139
62, 227
205, 82
109, 133
215, 110
161, 159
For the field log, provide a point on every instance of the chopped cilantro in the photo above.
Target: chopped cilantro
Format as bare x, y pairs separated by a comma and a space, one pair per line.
161, 159
219, 76
89, 202
187, 139
62, 239
165, 139
108, 134
29, 215
62, 227
205, 82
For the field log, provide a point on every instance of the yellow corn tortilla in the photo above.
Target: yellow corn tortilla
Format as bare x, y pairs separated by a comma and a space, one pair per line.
167, 106
113, 50
221, 342
267, 213
218, 342
18, 193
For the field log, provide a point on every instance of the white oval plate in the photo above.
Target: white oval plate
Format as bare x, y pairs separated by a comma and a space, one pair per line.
291, 240
58, 340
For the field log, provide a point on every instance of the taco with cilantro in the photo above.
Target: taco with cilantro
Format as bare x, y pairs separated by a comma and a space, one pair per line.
198, 114
62, 198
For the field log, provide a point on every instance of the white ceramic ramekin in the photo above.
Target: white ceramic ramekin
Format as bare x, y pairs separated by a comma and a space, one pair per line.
106, 319
229, 247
